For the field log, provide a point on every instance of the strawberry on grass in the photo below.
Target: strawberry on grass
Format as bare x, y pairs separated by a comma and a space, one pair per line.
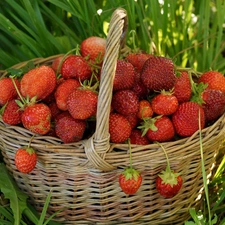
130, 179
168, 183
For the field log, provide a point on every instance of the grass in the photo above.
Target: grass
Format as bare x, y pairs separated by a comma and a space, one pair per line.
190, 32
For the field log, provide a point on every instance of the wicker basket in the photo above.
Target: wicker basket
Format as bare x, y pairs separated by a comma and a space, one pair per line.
83, 176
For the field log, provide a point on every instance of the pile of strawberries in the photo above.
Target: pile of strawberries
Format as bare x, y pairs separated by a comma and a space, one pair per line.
153, 99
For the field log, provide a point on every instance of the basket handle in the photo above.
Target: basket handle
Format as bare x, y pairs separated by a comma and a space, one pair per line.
98, 145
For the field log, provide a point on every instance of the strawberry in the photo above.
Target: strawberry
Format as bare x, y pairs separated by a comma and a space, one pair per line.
25, 159
125, 102
75, 66
12, 113
38, 82
133, 119
145, 109
140, 90
94, 48
214, 79
8, 91
138, 60
124, 76
182, 88
159, 128
37, 118
164, 103
56, 64
214, 104
130, 179
63, 90
137, 138
55, 111
82, 103
69, 129
158, 73
119, 128
168, 183
186, 118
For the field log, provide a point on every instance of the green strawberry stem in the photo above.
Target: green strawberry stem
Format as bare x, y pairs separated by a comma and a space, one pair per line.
17, 90
168, 176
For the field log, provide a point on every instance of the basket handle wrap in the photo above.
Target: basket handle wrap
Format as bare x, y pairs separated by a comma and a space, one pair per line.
98, 145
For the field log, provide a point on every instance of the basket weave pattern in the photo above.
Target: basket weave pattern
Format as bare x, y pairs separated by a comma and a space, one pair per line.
83, 176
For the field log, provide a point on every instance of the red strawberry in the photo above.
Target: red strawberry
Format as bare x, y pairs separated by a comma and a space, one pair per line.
37, 118
133, 120
214, 104
158, 73
62, 92
168, 183
125, 102
138, 60
145, 109
55, 111
39, 82
56, 64
140, 90
137, 138
82, 103
94, 48
119, 128
12, 113
214, 79
8, 91
69, 129
159, 128
186, 118
165, 103
130, 179
182, 88
25, 159
75, 66
124, 76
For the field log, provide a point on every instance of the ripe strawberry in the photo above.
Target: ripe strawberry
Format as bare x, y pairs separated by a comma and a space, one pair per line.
182, 88
37, 118
158, 73
138, 60
125, 102
164, 103
12, 113
119, 128
124, 76
75, 66
130, 179
133, 120
63, 90
55, 111
82, 103
140, 90
159, 128
25, 159
56, 63
137, 138
39, 82
8, 91
145, 109
214, 104
168, 183
69, 129
215, 80
186, 118
94, 48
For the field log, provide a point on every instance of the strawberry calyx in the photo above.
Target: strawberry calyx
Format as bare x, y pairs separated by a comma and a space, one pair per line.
29, 150
148, 123
168, 176
131, 173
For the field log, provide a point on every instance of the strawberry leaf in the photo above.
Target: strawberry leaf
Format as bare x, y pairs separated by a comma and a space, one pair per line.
11, 191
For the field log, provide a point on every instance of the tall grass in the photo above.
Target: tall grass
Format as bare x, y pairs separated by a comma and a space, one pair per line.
191, 32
